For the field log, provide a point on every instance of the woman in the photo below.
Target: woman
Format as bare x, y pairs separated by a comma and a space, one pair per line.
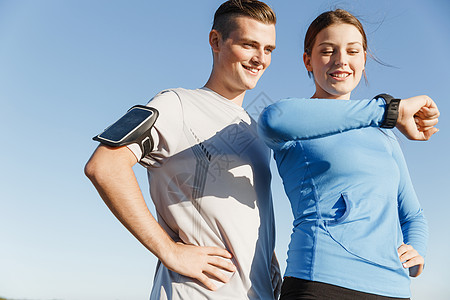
359, 230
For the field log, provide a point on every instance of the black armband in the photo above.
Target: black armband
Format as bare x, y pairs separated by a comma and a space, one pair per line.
391, 113
133, 127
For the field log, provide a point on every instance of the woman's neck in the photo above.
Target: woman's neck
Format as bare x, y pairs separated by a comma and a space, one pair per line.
322, 95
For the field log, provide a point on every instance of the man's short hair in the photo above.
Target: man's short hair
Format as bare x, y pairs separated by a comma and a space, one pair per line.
224, 18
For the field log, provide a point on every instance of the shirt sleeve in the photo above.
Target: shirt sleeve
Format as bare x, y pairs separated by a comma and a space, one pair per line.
166, 131
412, 220
301, 119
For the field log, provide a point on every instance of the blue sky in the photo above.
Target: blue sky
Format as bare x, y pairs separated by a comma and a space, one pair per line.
70, 68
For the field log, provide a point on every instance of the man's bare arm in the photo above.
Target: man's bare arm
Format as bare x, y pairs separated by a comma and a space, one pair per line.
110, 170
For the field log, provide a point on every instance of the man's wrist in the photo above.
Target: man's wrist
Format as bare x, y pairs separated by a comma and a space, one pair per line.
391, 112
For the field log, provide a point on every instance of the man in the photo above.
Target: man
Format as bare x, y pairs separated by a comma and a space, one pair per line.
208, 172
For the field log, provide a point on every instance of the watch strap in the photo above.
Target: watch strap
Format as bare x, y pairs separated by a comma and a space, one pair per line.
391, 112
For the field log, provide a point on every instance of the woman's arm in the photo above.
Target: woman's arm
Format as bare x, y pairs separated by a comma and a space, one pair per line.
412, 220
301, 119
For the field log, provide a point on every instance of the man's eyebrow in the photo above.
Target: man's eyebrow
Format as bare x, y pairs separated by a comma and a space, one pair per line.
250, 41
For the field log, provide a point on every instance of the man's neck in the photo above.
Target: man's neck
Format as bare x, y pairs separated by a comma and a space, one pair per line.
237, 97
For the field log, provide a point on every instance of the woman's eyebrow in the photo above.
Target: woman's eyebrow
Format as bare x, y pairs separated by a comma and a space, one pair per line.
332, 44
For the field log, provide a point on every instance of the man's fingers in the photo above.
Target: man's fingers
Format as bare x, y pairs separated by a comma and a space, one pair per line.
201, 263
217, 252
206, 282
217, 263
222, 263
216, 273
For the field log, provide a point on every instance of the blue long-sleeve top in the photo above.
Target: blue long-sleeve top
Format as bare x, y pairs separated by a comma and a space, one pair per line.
350, 191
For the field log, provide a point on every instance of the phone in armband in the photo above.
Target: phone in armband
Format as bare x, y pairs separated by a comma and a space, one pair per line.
133, 127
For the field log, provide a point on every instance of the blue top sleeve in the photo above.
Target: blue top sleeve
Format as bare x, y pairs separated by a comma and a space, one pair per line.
301, 119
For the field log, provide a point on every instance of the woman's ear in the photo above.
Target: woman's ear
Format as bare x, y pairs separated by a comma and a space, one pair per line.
365, 59
214, 40
307, 62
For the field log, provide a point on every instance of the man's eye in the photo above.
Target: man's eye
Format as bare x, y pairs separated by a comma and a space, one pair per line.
327, 52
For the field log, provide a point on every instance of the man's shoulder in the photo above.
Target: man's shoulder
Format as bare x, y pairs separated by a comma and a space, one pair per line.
167, 97
174, 101
178, 94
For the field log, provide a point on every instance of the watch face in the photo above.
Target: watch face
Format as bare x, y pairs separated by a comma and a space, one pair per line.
126, 125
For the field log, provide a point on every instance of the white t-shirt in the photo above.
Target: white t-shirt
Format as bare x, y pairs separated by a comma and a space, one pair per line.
210, 183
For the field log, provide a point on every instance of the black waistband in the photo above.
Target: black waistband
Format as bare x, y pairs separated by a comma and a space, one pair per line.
299, 289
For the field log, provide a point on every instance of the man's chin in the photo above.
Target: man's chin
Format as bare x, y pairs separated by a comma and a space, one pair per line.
251, 86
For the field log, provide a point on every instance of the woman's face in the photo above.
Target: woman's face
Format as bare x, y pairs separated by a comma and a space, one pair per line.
337, 61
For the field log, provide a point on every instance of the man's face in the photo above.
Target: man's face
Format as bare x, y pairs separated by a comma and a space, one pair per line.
242, 58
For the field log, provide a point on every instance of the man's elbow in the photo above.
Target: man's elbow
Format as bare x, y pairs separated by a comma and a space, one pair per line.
107, 162
92, 170
97, 166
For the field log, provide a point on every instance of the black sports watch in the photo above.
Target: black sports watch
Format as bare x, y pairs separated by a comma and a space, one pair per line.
391, 113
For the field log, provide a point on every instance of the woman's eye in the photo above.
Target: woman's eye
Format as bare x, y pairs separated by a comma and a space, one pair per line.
327, 52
